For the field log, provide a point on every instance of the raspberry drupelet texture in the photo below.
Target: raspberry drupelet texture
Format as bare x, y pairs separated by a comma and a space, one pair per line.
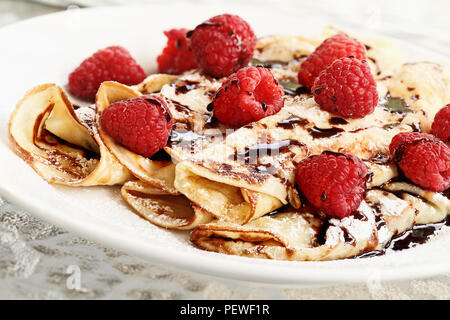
346, 88
110, 64
248, 95
406, 137
441, 124
223, 44
141, 124
423, 159
176, 57
338, 46
332, 182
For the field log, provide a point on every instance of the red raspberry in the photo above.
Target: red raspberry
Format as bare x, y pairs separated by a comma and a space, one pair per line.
338, 46
176, 57
109, 64
441, 124
248, 95
423, 159
141, 124
332, 182
223, 44
347, 88
406, 137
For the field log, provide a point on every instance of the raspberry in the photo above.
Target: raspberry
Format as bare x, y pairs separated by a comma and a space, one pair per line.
406, 137
423, 159
332, 182
248, 95
223, 44
441, 124
338, 46
347, 88
176, 57
110, 64
141, 124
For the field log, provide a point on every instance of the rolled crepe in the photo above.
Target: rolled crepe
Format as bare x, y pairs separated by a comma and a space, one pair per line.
303, 234
287, 52
424, 88
261, 157
189, 123
187, 97
162, 208
159, 174
48, 133
154, 196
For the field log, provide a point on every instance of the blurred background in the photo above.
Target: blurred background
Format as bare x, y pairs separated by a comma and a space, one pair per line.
35, 257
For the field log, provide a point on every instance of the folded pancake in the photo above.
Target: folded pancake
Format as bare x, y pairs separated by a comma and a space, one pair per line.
261, 157
59, 142
157, 173
421, 89
153, 83
162, 208
154, 194
191, 124
303, 234
287, 52
195, 128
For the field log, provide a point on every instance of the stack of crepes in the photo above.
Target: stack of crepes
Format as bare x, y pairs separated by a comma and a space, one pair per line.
234, 189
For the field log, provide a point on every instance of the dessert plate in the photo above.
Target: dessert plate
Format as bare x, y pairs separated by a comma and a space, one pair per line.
46, 49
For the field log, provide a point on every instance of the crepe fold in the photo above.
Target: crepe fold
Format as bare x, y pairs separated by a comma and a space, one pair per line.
154, 197
162, 208
159, 174
302, 234
59, 141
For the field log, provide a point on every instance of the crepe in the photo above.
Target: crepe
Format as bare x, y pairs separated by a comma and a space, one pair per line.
46, 131
154, 196
163, 209
289, 51
159, 174
302, 234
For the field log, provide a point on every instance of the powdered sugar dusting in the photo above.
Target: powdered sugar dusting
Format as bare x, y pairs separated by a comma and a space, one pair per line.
86, 115
359, 230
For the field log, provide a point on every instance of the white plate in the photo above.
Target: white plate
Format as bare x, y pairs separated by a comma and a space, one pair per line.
47, 48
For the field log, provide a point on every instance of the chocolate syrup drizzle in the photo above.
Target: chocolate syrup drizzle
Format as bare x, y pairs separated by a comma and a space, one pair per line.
292, 122
337, 120
298, 91
185, 86
419, 234
318, 133
251, 154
